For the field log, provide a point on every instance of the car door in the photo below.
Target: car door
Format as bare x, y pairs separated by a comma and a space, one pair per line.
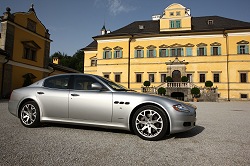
89, 104
54, 97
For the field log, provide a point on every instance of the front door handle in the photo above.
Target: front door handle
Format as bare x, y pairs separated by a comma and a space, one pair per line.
75, 94
40, 93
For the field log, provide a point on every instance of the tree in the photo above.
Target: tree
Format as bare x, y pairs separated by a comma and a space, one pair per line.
209, 84
184, 79
162, 91
195, 92
169, 79
147, 83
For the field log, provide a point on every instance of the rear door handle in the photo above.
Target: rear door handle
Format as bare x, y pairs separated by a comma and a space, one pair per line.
75, 94
40, 93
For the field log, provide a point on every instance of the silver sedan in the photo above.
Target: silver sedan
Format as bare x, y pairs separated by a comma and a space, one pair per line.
92, 100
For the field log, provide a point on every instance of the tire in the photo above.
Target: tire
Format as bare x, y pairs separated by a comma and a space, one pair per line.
30, 114
150, 123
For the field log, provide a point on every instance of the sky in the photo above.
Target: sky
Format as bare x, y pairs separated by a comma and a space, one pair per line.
73, 23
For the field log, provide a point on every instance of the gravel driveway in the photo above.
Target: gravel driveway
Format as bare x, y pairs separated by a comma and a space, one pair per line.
221, 137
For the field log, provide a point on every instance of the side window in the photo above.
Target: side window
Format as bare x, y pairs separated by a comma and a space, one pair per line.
58, 82
83, 82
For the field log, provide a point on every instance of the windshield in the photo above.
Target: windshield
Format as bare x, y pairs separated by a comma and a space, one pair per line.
114, 85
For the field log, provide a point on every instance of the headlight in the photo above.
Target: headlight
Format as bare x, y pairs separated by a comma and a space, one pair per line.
180, 108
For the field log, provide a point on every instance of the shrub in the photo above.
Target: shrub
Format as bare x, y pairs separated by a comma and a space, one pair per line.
146, 83
209, 84
184, 79
195, 92
161, 91
169, 79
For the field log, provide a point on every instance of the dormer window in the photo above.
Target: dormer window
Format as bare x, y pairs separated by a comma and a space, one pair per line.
141, 26
178, 13
171, 13
31, 25
210, 22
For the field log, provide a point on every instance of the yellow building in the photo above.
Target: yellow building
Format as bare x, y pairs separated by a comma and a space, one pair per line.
176, 44
24, 51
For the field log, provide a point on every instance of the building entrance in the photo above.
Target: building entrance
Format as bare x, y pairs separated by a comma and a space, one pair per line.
176, 75
178, 95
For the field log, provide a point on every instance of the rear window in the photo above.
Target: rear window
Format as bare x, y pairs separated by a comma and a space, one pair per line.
58, 82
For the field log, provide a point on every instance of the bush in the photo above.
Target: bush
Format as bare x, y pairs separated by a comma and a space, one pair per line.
209, 84
184, 79
146, 83
195, 92
169, 79
161, 91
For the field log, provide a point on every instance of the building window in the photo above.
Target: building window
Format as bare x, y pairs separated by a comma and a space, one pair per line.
117, 78
29, 53
176, 52
243, 96
243, 49
151, 53
189, 51
139, 53
190, 77
201, 51
163, 52
138, 77
106, 54
171, 13
216, 77
175, 24
215, 50
163, 77
178, 13
106, 76
31, 25
202, 77
93, 62
243, 77
151, 78
118, 54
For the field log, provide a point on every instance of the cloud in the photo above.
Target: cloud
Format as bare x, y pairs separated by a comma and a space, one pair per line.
115, 7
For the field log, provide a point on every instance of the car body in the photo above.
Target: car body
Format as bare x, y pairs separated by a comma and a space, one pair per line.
92, 100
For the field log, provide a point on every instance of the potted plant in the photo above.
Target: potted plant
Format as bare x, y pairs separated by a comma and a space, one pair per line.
146, 84
196, 93
169, 79
162, 91
184, 79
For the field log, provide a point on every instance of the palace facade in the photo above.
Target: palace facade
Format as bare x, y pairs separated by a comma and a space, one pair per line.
175, 44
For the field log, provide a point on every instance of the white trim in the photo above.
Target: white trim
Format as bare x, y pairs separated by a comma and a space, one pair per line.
239, 34
113, 40
33, 33
180, 37
91, 52
28, 66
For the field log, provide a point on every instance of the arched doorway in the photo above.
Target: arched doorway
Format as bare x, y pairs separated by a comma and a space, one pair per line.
176, 75
178, 95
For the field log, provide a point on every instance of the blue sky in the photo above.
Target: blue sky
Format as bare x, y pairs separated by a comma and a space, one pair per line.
73, 23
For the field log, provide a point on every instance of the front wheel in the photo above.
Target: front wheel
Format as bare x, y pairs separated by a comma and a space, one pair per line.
29, 114
150, 123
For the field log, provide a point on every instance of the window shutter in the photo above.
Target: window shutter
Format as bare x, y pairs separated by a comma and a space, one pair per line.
198, 51
121, 53
205, 50
219, 50
167, 52
142, 53
135, 54
247, 49
147, 53
238, 49
188, 51
110, 54
103, 54
211, 51
160, 50
182, 54
154, 53
115, 54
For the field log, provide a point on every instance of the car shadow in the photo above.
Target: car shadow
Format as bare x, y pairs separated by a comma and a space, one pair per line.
187, 134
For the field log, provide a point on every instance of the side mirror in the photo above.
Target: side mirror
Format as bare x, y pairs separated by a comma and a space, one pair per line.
96, 86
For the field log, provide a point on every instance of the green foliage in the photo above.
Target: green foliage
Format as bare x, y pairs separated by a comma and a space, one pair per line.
195, 92
161, 91
184, 79
169, 79
74, 62
146, 83
208, 83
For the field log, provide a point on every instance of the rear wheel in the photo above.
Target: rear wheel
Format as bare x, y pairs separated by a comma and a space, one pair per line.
150, 123
29, 114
